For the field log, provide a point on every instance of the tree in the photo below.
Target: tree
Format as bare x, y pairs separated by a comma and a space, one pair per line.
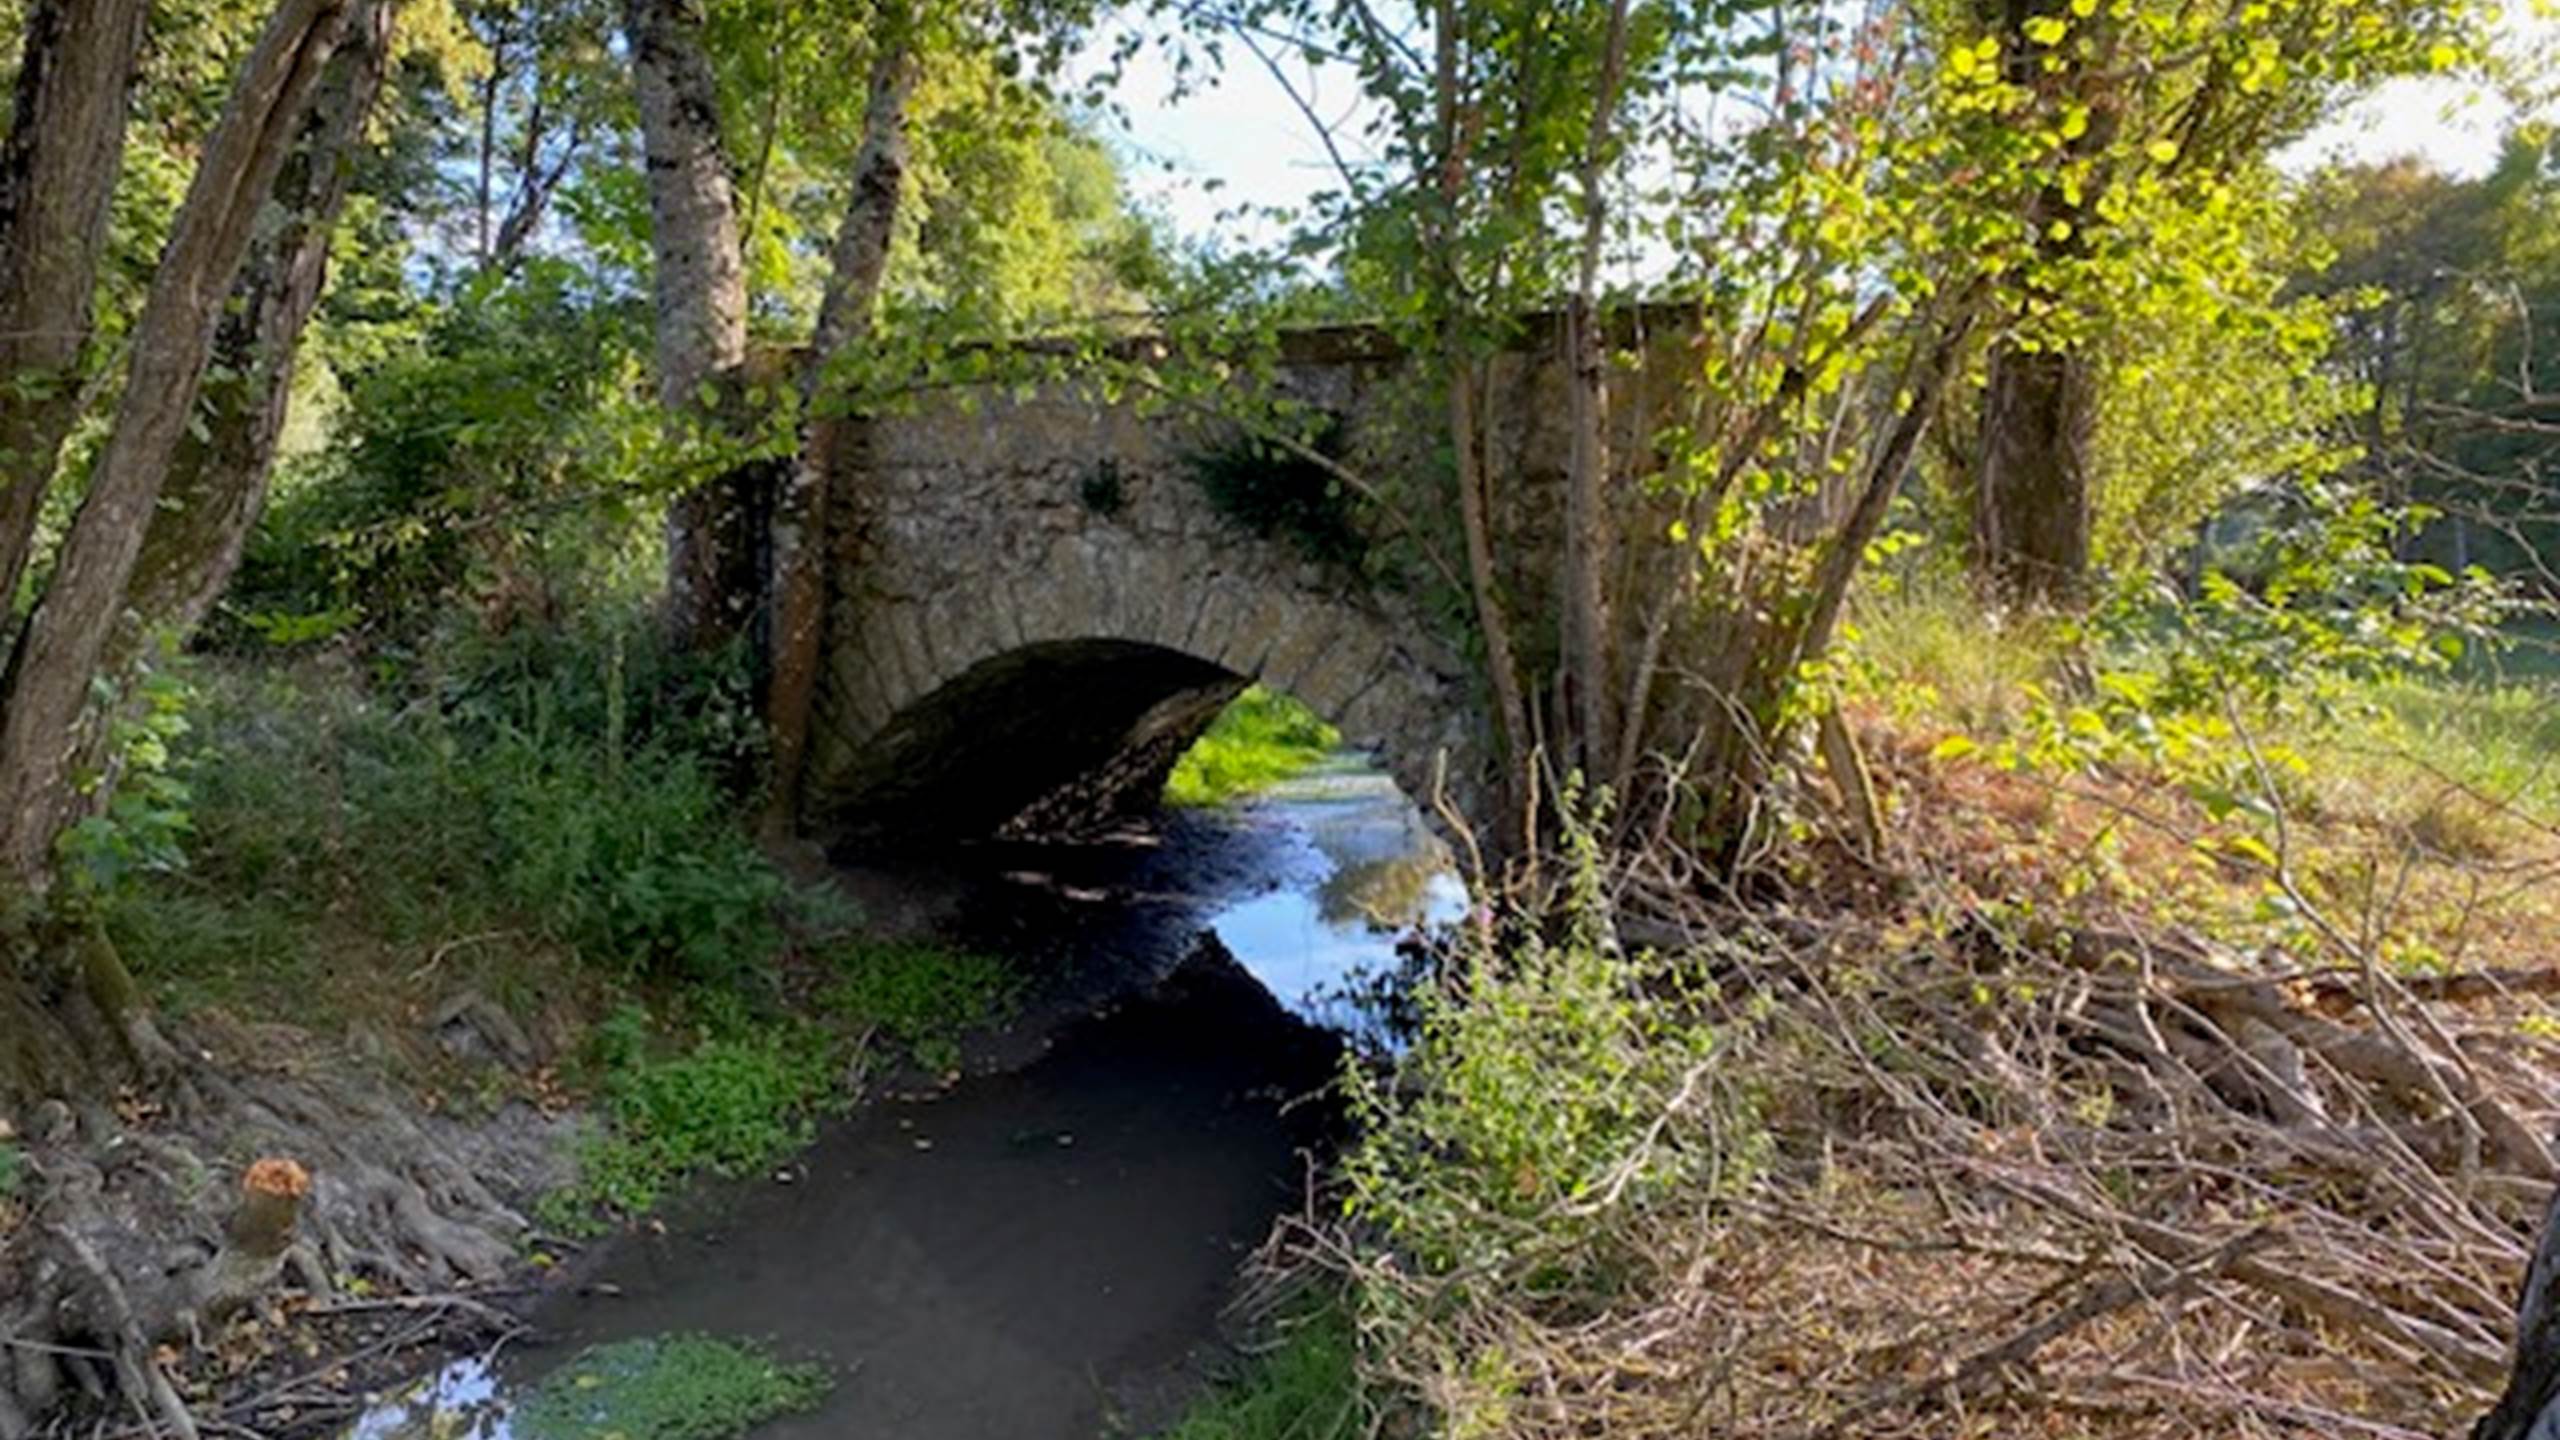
700, 285
846, 316
57, 172
218, 476
2144, 110
2442, 290
52, 671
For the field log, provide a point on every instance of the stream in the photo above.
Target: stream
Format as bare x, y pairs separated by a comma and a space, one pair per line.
1042, 1248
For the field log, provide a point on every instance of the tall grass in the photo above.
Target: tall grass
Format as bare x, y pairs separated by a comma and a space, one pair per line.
1306, 1386
565, 801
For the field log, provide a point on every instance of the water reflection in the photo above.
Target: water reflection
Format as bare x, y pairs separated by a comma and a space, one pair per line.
459, 1402
1360, 870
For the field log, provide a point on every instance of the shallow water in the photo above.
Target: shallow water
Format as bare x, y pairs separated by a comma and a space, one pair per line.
1357, 869
1033, 1251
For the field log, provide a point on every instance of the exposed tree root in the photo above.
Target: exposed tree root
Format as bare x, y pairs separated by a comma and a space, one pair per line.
174, 1186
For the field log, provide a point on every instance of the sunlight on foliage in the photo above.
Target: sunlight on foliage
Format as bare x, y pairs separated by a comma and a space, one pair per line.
1262, 738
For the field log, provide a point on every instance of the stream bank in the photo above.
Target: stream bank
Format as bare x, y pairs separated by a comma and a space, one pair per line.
1039, 1247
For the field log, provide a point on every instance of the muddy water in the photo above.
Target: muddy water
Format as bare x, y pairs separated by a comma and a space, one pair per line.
1035, 1251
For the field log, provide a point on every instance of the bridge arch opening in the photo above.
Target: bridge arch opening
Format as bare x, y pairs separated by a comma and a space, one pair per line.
1072, 739
1049, 739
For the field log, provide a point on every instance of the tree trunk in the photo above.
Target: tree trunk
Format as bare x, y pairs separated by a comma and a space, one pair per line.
57, 173
1475, 520
218, 481
845, 318
2033, 488
2033, 497
2530, 1409
51, 670
700, 288
1588, 519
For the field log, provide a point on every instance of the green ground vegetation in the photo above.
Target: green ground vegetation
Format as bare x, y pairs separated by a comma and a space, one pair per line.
1262, 738
553, 822
671, 1387
1302, 1384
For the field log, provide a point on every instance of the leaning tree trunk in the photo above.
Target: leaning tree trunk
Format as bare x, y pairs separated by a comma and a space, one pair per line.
2530, 1409
57, 172
713, 578
845, 318
218, 481
51, 671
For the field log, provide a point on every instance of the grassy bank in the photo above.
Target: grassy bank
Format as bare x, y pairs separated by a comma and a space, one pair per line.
1262, 738
552, 829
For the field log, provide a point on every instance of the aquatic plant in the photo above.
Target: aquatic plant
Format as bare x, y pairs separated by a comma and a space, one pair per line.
920, 996
667, 1387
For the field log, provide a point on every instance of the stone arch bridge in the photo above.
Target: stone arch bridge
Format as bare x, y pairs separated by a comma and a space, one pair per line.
1035, 607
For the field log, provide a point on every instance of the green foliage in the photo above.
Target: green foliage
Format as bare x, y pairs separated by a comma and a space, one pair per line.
1306, 1386
1280, 493
1561, 1090
13, 1171
574, 786
145, 821
732, 1103
1262, 738
640, 865
507, 463
667, 1387
2320, 591
918, 996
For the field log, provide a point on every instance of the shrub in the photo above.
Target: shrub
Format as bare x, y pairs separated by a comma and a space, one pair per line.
1563, 1104
1281, 494
497, 465
639, 865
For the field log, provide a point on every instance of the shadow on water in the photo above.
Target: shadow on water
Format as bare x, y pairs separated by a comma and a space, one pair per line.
1016, 1255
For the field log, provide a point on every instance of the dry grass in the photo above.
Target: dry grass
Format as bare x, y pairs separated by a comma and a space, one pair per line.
2082, 1122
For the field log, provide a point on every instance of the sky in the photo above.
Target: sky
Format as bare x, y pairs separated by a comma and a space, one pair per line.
1199, 156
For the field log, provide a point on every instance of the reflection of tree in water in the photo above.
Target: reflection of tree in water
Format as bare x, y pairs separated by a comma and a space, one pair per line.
1389, 893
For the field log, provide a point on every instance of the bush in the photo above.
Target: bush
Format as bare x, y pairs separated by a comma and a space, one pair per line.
1563, 1105
1282, 494
585, 788
498, 464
